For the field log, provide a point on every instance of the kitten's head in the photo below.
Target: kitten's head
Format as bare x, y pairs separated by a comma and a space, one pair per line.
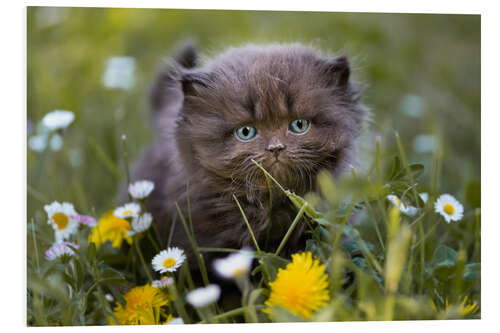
285, 106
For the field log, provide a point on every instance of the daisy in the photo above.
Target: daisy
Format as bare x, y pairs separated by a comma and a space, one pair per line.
164, 282
58, 119
201, 297
119, 73
61, 219
61, 249
176, 321
234, 265
449, 208
143, 306
110, 228
424, 196
129, 210
142, 222
168, 260
141, 189
301, 288
405, 209
87, 220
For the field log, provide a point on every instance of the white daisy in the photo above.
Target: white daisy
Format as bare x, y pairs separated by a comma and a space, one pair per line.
142, 222
119, 73
61, 249
129, 210
424, 196
234, 265
58, 119
38, 143
109, 297
405, 209
165, 281
176, 321
201, 297
449, 208
62, 218
168, 260
83, 219
141, 189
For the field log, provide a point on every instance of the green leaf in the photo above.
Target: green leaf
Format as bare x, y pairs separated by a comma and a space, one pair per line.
472, 271
299, 202
273, 264
443, 263
91, 252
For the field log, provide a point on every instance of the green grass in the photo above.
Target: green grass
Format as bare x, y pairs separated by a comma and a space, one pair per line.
384, 266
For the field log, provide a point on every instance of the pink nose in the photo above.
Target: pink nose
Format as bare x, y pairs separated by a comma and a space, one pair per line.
275, 147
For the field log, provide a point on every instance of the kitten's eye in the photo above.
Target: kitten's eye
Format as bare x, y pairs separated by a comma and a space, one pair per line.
245, 133
299, 126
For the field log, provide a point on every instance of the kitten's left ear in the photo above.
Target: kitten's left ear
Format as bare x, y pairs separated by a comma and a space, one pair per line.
338, 72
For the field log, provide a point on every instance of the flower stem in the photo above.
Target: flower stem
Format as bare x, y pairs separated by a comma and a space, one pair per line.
141, 258
292, 227
248, 224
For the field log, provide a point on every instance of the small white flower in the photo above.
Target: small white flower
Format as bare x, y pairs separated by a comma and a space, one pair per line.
176, 321
142, 223
203, 296
62, 219
61, 249
449, 207
141, 189
424, 196
119, 73
129, 210
234, 265
109, 297
424, 143
58, 119
165, 281
38, 143
405, 209
168, 260
56, 142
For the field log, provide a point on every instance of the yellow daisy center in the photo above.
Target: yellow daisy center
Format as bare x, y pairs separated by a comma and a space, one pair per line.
238, 272
448, 209
128, 212
60, 220
169, 262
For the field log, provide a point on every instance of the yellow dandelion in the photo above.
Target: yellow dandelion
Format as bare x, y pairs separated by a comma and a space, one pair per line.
143, 306
462, 308
111, 228
301, 288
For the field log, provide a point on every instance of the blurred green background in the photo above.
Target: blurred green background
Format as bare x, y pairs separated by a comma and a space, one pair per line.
419, 73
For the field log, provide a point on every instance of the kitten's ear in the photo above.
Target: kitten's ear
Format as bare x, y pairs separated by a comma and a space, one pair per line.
338, 72
192, 81
187, 56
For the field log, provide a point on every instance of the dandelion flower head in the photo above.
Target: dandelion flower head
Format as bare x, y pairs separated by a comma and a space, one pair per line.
111, 228
301, 288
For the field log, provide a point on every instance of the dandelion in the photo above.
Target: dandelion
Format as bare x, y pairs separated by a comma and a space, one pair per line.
143, 306
110, 228
234, 265
462, 308
142, 223
168, 260
301, 288
202, 297
129, 210
119, 73
141, 189
58, 119
61, 249
60, 218
405, 209
449, 208
164, 282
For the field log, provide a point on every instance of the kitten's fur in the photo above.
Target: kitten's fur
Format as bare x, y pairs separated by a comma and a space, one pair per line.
196, 111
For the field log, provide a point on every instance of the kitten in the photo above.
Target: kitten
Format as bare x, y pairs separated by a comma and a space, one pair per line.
288, 107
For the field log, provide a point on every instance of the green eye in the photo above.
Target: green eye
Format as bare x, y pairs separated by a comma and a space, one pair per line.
245, 133
299, 126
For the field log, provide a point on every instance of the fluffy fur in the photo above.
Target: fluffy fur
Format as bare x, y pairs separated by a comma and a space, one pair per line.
196, 111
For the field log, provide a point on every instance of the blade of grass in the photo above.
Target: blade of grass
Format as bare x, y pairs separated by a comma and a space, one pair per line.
248, 224
291, 228
103, 157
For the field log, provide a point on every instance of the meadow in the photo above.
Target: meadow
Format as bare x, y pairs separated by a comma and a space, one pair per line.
385, 244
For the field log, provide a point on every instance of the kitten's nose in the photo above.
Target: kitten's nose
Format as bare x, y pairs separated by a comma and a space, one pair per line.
275, 147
